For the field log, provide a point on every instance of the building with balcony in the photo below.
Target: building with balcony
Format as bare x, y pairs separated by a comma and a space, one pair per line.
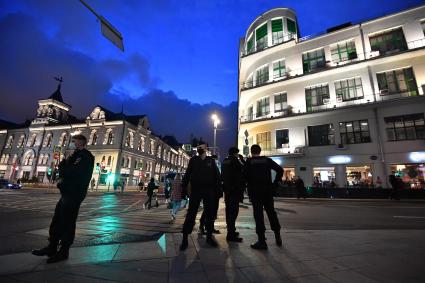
347, 105
124, 146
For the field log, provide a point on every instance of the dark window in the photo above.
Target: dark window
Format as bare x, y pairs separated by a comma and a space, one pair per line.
397, 81
262, 75
354, 132
250, 45
277, 31
263, 107
282, 137
280, 101
321, 135
388, 42
349, 89
344, 52
315, 96
314, 60
264, 140
292, 27
406, 127
261, 37
279, 69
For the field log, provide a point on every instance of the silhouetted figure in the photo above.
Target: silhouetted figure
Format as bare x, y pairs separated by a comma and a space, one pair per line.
257, 173
204, 177
299, 185
150, 192
396, 185
75, 173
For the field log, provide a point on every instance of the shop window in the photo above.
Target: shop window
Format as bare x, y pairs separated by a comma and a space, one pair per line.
323, 176
282, 138
344, 51
359, 176
350, 89
397, 81
406, 127
316, 96
314, 60
264, 140
354, 132
388, 42
412, 175
321, 135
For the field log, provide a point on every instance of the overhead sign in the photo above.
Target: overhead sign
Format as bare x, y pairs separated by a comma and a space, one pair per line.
418, 156
111, 33
339, 159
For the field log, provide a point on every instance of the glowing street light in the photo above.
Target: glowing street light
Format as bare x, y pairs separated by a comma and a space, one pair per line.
216, 121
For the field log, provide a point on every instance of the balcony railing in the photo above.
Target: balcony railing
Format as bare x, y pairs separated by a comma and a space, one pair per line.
330, 105
285, 39
293, 73
296, 151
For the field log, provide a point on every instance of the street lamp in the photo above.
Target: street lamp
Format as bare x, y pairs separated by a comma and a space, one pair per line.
216, 121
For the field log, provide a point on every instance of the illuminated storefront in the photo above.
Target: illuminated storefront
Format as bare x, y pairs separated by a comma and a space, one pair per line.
323, 176
413, 175
359, 176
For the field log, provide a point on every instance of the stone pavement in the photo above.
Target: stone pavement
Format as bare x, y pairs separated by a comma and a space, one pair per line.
307, 256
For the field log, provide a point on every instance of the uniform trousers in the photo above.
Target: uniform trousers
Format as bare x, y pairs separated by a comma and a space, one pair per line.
62, 227
232, 210
208, 196
264, 201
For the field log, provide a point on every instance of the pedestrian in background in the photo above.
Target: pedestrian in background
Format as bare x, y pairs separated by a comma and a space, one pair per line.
257, 172
301, 190
203, 175
123, 183
141, 185
167, 190
176, 195
233, 187
75, 172
92, 184
150, 192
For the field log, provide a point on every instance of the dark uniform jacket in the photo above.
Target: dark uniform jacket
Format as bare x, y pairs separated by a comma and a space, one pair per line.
232, 175
257, 172
202, 174
75, 173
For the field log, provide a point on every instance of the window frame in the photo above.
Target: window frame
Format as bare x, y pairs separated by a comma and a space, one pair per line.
397, 125
353, 88
321, 96
353, 135
387, 41
343, 48
384, 82
279, 146
311, 57
267, 140
324, 138
280, 69
282, 103
266, 107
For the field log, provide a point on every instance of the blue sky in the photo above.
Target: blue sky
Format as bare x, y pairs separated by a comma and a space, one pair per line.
184, 52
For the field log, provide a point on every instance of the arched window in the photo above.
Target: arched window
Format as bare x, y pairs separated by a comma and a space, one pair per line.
46, 159
93, 138
128, 164
29, 158
109, 160
21, 141
63, 139
109, 137
41, 158
32, 140
48, 140
129, 140
9, 142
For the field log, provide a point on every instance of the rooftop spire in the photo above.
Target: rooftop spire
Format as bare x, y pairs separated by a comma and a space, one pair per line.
57, 94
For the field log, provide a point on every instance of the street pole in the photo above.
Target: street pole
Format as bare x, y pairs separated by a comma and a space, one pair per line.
216, 121
215, 138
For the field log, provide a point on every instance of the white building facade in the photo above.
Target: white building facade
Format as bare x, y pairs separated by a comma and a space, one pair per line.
346, 106
124, 146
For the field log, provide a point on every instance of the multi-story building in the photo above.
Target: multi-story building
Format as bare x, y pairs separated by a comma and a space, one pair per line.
347, 105
123, 145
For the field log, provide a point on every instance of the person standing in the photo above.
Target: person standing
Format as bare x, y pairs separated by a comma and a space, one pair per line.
299, 185
92, 184
257, 172
176, 195
75, 172
167, 190
233, 187
141, 185
123, 181
204, 177
150, 191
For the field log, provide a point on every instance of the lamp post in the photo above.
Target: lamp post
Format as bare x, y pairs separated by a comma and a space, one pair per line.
216, 121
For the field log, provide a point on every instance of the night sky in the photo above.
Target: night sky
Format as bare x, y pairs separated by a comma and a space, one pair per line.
180, 59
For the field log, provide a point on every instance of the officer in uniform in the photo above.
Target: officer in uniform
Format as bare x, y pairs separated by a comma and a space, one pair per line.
205, 181
233, 187
257, 173
75, 173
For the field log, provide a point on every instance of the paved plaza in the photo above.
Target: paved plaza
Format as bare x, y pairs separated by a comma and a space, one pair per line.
119, 241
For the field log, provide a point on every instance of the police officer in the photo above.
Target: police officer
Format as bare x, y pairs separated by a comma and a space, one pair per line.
204, 178
257, 173
75, 173
233, 187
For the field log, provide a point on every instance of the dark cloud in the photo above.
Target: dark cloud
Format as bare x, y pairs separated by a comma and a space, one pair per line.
30, 59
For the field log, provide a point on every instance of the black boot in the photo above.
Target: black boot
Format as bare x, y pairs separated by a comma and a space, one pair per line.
234, 238
260, 244
211, 241
278, 238
184, 243
61, 255
50, 251
202, 230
